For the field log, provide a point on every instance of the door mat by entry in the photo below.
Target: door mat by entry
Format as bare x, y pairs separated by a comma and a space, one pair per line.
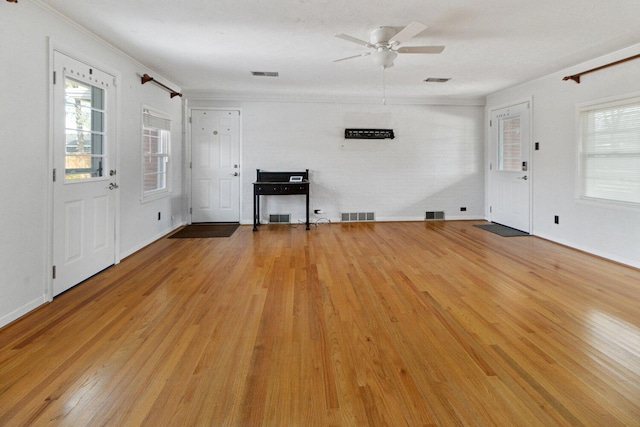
502, 230
205, 230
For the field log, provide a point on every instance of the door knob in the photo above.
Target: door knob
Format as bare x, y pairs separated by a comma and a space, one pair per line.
523, 177
235, 174
113, 186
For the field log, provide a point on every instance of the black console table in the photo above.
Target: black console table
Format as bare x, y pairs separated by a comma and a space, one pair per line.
278, 184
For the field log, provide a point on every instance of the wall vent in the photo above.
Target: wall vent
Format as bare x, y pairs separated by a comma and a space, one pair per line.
437, 79
357, 216
265, 73
280, 218
434, 215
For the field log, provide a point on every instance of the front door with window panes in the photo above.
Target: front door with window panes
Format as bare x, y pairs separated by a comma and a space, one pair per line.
510, 167
84, 172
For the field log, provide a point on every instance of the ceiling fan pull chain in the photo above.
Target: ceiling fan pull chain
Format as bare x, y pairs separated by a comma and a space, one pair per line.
384, 89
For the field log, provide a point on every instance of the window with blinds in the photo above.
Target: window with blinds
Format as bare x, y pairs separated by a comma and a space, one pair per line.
610, 151
509, 145
156, 136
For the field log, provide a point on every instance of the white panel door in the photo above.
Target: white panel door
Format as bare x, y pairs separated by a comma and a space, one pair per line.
215, 155
83, 188
510, 167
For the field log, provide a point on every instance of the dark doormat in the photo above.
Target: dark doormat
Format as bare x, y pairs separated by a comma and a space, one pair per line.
502, 230
206, 230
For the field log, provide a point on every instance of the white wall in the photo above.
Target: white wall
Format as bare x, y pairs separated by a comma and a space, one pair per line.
435, 162
26, 30
605, 230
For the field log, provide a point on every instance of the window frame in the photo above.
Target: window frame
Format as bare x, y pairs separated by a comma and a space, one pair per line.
581, 195
165, 135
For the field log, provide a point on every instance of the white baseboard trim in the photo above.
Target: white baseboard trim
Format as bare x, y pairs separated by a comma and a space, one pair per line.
464, 218
136, 248
21, 311
592, 251
398, 218
315, 218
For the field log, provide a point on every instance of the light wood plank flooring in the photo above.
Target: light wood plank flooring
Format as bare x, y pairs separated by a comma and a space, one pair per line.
415, 323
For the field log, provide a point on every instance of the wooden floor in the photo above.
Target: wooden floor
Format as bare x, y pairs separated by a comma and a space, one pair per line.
424, 323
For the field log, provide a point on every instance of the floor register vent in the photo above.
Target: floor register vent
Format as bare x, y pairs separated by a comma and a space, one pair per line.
357, 216
434, 215
279, 218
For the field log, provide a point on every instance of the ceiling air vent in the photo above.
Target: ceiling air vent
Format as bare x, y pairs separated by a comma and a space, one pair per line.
265, 73
437, 80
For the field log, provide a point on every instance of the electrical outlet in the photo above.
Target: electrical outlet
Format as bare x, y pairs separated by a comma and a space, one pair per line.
556, 219
159, 216
463, 209
318, 211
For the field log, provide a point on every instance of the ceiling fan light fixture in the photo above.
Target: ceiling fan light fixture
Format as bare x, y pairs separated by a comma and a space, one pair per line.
384, 57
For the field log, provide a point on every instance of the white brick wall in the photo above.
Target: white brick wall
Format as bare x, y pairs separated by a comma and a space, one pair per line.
434, 163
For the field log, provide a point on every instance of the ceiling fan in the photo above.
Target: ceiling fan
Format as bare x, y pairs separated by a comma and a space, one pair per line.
386, 43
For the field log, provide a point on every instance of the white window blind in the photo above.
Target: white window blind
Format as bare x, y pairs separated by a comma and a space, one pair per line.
610, 151
151, 120
509, 145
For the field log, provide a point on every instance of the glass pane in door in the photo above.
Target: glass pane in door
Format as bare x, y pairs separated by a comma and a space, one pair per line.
85, 151
509, 145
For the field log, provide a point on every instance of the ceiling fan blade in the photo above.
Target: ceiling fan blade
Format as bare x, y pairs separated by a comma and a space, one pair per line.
351, 57
421, 49
407, 33
353, 40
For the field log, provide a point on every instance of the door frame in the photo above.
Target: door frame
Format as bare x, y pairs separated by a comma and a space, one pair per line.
116, 116
188, 161
489, 110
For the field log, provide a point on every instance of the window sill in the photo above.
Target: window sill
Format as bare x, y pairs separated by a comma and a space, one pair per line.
612, 204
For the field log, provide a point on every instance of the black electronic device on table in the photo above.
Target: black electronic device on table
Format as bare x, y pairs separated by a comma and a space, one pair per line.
279, 184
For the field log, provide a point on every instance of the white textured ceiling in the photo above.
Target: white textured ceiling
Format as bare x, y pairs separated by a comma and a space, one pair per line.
490, 44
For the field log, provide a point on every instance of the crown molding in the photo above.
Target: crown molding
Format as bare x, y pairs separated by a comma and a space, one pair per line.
214, 95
